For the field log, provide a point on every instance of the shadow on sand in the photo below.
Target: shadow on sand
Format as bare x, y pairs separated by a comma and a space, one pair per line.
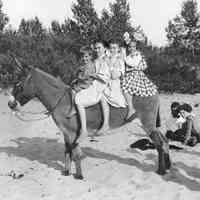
176, 176
44, 150
50, 151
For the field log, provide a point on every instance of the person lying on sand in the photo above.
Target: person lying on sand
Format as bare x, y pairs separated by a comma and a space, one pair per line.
188, 130
182, 126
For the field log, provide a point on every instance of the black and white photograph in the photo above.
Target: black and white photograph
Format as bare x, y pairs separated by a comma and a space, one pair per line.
99, 100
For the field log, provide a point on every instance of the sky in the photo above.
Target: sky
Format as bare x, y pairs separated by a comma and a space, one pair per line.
151, 15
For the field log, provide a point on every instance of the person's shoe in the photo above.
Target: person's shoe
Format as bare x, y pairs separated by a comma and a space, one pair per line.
131, 118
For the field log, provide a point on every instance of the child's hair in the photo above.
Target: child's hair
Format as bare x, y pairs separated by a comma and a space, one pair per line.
86, 50
175, 105
104, 42
113, 41
186, 107
175, 109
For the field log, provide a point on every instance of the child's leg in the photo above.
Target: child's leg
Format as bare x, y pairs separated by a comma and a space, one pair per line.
169, 135
129, 101
106, 116
82, 115
179, 135
72, 110
83, 99
196, 134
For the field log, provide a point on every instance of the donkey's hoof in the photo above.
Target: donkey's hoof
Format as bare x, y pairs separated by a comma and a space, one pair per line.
65, 173
78, 176
161, 172
167, 161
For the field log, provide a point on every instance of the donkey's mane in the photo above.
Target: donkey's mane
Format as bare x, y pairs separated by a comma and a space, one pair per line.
53, 81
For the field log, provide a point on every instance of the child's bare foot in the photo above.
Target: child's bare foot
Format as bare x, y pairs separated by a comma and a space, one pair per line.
130, 113
83, 136
102, 130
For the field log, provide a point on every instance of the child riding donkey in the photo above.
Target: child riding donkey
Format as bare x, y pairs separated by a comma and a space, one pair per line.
83, 76
93, 93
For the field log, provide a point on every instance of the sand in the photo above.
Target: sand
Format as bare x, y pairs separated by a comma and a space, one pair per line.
112, 171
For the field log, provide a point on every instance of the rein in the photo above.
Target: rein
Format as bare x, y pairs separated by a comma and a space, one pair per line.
45, 112
29, 120
50, 112
34, 113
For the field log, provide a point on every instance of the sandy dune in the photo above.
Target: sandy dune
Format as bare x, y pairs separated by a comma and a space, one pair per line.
112, 170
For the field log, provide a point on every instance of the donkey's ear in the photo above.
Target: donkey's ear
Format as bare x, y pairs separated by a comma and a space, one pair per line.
19, 65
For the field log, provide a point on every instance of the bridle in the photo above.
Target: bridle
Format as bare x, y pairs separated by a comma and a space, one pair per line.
47, 112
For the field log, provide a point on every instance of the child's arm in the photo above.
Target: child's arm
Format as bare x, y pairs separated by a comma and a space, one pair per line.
85, 72
188, 129
142, 63
123, 53
103, 72
118, 70
98, 77
103, 77
80, 73
137, 63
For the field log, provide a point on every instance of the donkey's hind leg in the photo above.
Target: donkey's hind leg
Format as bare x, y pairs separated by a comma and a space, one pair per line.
161, 145
166, 151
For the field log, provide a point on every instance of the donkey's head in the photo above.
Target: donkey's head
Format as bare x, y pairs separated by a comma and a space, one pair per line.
23, 91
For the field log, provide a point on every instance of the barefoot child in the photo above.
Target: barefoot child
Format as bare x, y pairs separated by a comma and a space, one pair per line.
134, 81
94, 93
117, 68
84, 73
113, 93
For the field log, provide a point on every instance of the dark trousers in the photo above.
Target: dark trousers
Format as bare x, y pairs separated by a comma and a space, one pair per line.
179, 135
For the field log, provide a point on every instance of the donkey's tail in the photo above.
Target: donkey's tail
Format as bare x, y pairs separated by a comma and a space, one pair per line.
158, 120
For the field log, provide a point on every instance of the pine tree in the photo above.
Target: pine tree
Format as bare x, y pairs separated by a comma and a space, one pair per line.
85, 21
116, 21
183, 32
3, 18
120, 18
31, 27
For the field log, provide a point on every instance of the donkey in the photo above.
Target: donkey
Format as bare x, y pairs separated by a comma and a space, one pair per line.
56, 97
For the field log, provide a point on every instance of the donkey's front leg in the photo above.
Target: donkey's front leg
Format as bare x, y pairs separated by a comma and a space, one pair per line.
67, 161
76, 157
